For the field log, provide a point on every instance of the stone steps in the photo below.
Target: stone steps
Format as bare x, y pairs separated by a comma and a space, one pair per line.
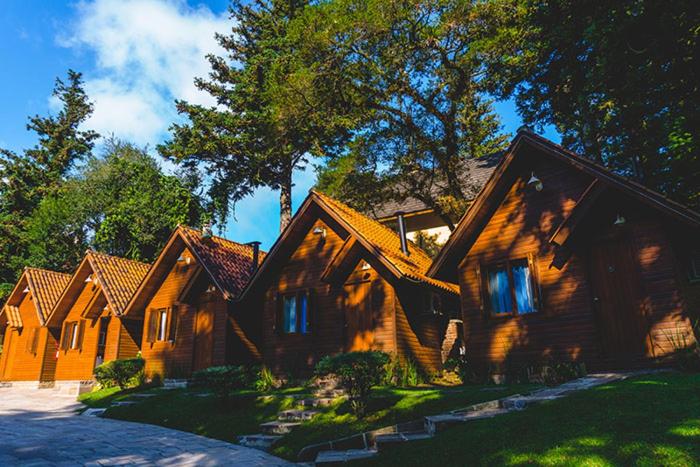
278, 427
93, 412
259, 441
384, 442
296, 415
174, 383
341, 457
329, 393
317, 401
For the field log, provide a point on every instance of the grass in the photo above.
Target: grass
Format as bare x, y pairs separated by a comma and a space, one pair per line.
651, 420
199, 412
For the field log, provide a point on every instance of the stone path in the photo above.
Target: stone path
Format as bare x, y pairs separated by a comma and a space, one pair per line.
40, 428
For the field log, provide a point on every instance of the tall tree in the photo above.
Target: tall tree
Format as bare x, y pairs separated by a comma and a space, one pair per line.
121, 203
28, 177
416, 70
618, 79
265, 124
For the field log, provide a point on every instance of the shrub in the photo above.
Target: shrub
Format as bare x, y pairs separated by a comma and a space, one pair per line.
119, 372
357, 373
686, 348
402, 374
223, 379
266, 381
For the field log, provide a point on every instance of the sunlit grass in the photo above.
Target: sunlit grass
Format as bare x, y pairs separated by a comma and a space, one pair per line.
651, 420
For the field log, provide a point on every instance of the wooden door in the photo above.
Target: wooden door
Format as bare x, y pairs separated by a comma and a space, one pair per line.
6, 357
359, 318
615, 284
203, 336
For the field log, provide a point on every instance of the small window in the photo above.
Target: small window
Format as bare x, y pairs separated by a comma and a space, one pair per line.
510, 287
74, 334
162, 325
694, 266
296, 313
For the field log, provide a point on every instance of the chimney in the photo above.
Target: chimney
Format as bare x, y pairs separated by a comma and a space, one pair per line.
256, 255
402, 232
206, 230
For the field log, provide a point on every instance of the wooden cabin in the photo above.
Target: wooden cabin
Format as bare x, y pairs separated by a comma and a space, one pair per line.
89, 318
28, 355
338, 281
186, 300
558, 258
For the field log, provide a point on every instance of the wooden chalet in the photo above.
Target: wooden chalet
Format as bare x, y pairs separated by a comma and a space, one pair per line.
89, 317
560, 258
28, 348
186, 300
339, 281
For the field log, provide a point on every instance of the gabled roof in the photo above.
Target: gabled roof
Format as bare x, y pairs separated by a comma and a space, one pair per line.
118, 279
469, 224
44, 285
228, 264
379, 240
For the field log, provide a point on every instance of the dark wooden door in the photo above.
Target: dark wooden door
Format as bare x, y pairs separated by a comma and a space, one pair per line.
616, 290
204, 336
359, 319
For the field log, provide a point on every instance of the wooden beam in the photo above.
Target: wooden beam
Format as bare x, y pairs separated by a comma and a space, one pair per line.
578, 213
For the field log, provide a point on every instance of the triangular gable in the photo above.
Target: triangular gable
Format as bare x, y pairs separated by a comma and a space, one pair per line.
494, 190
44, 285
377, 239
116, 277
227, 264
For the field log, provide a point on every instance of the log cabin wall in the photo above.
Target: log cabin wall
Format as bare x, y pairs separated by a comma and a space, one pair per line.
567, 324
179, 357
24, 349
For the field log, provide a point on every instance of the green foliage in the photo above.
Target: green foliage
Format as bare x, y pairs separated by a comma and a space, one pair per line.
415, 77
357, 372
266, 122
616, 78
266, 381
121, 204
38, 172
685, 345
402, 373
120, 373
223, 379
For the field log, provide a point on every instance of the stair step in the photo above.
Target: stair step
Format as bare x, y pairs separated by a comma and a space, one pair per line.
124, 403
329, 393
316, 402
278, 428
297, 415
521, 402
93, 412
142, 395
259, 441
174, 383
341, 457
392, 439
438, 423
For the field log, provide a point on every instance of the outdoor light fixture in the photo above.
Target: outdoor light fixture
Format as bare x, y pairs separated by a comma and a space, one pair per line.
183, 259
620, 220
320, 231
26, 290
89, 278
535, 182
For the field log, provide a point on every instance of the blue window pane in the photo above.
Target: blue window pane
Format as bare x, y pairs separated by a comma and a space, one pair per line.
290, 314
522, 283
499, 289
305, 328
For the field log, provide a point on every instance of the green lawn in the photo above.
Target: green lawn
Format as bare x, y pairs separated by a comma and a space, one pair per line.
652, 420
194, 411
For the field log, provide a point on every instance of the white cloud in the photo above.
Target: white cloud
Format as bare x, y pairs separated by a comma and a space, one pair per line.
147, 53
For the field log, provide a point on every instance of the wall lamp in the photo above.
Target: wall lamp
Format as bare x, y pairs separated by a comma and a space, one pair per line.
535, 182
320, 231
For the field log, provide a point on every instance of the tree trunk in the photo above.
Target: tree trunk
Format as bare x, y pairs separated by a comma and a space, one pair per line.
286, 200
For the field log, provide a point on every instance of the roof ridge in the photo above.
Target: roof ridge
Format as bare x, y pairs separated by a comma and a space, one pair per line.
218, 237
121, 258
32, 268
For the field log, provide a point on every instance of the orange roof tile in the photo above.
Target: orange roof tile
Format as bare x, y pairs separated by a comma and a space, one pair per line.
119, 278
46, 287
14, 318
227, 262
386, 243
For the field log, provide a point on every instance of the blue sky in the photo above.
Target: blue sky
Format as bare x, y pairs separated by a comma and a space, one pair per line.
137, 56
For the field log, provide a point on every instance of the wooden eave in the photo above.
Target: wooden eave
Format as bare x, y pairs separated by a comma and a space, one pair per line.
70, 293
495, 188
336, 269
584, 204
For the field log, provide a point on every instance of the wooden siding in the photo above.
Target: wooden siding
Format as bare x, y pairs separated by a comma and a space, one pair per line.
176, 359
566, 326
395, 330
18, 362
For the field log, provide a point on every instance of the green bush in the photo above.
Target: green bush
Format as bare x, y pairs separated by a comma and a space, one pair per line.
357, 373
223, 379
119, 372
265, 380
402, 374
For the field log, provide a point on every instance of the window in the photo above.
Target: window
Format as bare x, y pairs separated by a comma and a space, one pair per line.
510, 287
162, 325
74, 336
296, 316
694, 266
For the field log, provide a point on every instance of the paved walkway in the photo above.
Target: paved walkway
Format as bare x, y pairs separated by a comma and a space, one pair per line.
40, 428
